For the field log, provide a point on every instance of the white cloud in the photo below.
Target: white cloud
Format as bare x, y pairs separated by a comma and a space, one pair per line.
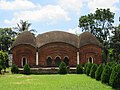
93, 4
17, 5
76, 31
46, 13
71, 5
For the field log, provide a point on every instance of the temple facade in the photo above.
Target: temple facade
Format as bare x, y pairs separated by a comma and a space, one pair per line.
49, 49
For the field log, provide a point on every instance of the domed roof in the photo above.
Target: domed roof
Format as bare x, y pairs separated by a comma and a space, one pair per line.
57, 36
25, 37
87, 38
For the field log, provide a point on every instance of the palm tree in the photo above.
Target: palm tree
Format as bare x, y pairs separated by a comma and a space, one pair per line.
24, 26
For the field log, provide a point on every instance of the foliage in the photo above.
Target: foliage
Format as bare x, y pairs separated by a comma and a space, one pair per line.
115, 77
3, 60
24, 26
79, 69
14, 69
93, 69
26, 69
99, 72
106, 74
7, 36
99, 24
62, 68
85, 67
115, 44
88, 68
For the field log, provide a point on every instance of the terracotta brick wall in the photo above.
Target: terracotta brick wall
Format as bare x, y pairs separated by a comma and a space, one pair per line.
21, 51
90, 51
57, 49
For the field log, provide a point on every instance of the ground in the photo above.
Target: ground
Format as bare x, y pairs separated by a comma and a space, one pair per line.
50, 82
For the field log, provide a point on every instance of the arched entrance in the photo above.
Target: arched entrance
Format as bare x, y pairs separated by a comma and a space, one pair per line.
57, 61
49, 61
24, 61
66, 60
90, 59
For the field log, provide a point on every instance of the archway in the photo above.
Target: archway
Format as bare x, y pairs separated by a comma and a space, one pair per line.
57, 61
24, 61
49, 61
90, 59
66, 60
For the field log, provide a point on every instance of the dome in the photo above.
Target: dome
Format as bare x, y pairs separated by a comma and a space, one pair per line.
57, 36
87, 38
25, 37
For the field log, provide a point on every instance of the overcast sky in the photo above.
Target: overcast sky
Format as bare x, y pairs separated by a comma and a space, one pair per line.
49, 15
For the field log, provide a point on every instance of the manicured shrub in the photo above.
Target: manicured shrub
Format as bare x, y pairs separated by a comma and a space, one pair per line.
115, 77
79, 69
111, 64
26, 69
0, 69
85, 67
106, 74
62, 68
88, 68
92, 71
14, 69
99, 72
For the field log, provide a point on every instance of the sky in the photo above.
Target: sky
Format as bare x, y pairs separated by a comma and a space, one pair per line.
52, 15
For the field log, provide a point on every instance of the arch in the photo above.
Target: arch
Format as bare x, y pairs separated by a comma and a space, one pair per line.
24, 61
57, 61
49, 61
66, 60
90, 59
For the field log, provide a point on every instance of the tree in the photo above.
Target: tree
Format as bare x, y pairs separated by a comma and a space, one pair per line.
115, 44
7, 36
99, 24
3, 60
62, 68
99, 72
26, 69
24, 26
79, 69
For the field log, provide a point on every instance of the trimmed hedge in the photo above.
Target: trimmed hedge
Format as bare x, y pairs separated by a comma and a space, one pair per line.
99, 72
115, 77
62, 68
92, 71
79, 69
106, 74
26, 69
85, 67
88, 68
14, 69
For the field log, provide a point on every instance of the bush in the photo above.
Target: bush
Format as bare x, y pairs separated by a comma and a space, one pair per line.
79, 69
14, 69
92, 71
115, 77
85, 67
111, 64
26, 69
88, 68
106, 74
99, 72
62, 68
0, 69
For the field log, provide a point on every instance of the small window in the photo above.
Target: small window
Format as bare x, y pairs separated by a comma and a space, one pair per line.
24, 61
57, 61
90, 59
66, 60
49, 61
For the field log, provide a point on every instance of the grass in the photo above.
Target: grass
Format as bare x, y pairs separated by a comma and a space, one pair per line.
50, 82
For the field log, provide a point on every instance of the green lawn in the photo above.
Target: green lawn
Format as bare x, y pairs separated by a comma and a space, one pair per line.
50, 82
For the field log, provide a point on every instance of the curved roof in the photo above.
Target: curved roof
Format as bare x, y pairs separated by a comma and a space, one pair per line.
57, 36
25, 37
87, 38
